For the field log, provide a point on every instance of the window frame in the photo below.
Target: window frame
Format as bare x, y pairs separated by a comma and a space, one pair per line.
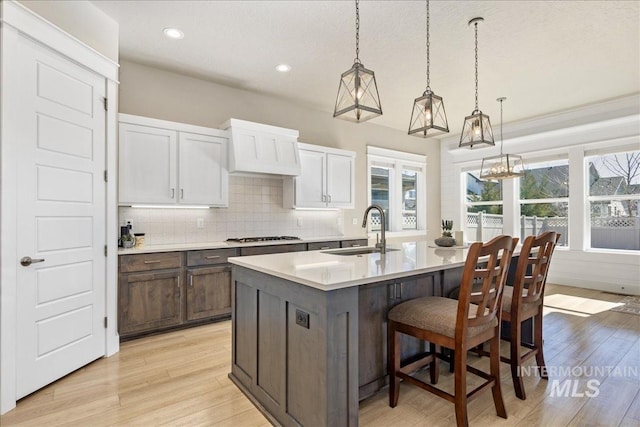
396, 162
589, 199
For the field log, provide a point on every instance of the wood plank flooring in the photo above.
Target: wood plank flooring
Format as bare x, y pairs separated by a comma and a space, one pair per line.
180, 379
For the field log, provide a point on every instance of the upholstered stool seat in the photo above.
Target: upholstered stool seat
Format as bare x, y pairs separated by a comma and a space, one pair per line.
435, 314
507, 297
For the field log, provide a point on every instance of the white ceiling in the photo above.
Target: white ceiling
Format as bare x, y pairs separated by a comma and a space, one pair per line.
544, 56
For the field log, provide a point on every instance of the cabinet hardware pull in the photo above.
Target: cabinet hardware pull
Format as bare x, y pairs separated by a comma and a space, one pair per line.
182, 193
391, 291
191, 281
178, 282
324, 198
152, 262
213, 257
355, 245
325, 247
173, 193
329, 196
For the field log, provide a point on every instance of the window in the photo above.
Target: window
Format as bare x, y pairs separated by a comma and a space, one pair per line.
614, 199
544, 199
484, 219
396, 184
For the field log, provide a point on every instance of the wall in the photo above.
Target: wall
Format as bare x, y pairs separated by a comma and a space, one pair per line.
255, 209
160, 94
83, 20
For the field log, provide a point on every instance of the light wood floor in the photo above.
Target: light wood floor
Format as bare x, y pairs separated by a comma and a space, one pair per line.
180, 379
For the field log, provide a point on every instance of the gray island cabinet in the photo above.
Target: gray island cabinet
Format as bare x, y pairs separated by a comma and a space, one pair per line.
309, 328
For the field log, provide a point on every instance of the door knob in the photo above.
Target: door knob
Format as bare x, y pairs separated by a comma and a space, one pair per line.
27, 261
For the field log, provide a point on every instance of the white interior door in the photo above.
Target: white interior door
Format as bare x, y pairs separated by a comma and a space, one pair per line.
61, 217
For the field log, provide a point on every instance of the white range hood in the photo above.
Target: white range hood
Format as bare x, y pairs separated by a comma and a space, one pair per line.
262, 149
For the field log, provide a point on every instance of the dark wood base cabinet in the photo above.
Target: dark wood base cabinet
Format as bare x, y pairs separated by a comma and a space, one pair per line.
163, 291
169, 290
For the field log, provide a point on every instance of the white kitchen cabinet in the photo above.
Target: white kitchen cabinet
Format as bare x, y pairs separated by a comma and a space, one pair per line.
168, 163
327, 179
259, 148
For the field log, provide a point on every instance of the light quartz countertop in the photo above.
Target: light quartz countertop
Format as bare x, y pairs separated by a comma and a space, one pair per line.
325, 271
148, 249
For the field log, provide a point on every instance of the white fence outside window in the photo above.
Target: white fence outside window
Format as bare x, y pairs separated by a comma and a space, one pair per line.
606, 232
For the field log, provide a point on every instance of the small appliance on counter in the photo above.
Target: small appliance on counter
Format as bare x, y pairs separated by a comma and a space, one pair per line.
126, 240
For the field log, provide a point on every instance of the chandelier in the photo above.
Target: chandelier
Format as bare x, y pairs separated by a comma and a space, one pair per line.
502, 166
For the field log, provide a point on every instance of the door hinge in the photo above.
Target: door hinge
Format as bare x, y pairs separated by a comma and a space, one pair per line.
106, 104
105, 323
105, 250
106, 176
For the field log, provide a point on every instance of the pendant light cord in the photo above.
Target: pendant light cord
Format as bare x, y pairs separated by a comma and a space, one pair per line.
428, 46
501, 120
357, 60
476, 28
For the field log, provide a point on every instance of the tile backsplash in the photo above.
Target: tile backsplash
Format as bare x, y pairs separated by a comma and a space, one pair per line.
255, 209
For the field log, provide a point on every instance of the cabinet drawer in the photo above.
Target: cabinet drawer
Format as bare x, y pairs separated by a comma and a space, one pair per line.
323, 245
276, 249
354, 243
146, 262
210, 256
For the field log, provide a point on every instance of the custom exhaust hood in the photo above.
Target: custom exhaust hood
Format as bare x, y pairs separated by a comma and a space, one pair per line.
262, 149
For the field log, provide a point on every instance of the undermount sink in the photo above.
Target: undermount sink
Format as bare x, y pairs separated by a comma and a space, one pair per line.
357, 251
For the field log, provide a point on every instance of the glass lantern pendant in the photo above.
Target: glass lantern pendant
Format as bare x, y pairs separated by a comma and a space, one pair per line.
477, 127
358, 99
428, 110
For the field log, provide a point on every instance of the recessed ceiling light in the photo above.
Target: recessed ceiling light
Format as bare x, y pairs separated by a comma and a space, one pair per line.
283, 68
173, 33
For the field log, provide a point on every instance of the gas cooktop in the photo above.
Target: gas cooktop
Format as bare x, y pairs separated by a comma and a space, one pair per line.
261, 239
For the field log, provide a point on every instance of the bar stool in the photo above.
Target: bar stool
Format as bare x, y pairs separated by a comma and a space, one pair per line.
524, 300
459, 325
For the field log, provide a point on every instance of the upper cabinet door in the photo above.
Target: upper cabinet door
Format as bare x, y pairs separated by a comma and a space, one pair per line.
147, 165
340, 180
203, 177
310, 185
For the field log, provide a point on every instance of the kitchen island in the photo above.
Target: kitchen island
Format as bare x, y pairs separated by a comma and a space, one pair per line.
309, 328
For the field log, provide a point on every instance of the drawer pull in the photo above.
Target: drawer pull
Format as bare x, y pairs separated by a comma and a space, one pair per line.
356, 245
191, 281
213, 257
325, 247
153, 262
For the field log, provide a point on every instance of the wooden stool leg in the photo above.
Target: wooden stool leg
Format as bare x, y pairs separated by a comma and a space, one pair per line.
434, 370
496, 390
460, 362
393, 365
516, 354
537, 342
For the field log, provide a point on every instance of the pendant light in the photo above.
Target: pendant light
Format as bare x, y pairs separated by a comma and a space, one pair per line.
358, 98
428, 110
477, 127
502, 166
